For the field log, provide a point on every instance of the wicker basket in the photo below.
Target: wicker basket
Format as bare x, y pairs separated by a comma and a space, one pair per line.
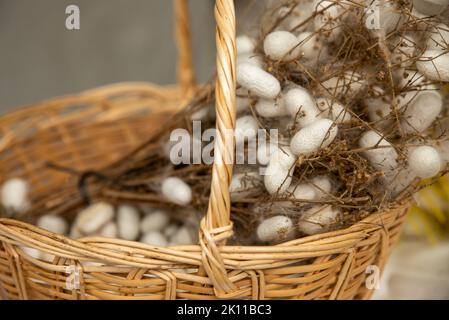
327, 266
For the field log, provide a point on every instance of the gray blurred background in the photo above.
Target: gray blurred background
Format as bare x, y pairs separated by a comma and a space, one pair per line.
119, 40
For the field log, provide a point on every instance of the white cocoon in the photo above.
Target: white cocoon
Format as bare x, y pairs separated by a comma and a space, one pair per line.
128, 221
439, 38
14, 195
177, 191
281, 45
309, 46
277, 177
154, 238
53, 223
242, 100
154, 221
284, 157
323, 186
420, 108
170, 230
245, 129
424, 161
430, 7
301, 106
182, 237
275, 229
250, 58
265, 151
319, 134
303, 191
333, 110
271, 108
434, 65
350, 82
381, 154
258, 81
110, 230
94, 217
245, 45
318, 220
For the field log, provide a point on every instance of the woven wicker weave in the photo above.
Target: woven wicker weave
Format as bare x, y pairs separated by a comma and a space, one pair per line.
327, 266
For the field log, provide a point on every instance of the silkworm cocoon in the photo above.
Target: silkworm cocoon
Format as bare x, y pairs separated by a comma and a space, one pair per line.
424, 161
201, 114
284, 157
170, 230
154, 221
94, 217
381, 154
301, 105
430, 7
327, 21
318, 220
154, 238
277, 177
265, 152
420, 109
258, 81
37, 254
128, 221
303, 191
177, 191
242, 100
75, 232
182, 237
244, 185
250, 58
110, 230
179, 148
434, 65
281, 46
309, 45
319, 134
271, 108
333, 110
245, 129
323, 186
350, 82
378, 106
276, 229
53, 224
245, 44
439, 38
388, 18
14, 196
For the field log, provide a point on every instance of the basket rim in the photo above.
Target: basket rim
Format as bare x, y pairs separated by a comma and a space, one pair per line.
12, 230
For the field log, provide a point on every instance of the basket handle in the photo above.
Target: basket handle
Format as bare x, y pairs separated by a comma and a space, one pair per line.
185, 69
216, 226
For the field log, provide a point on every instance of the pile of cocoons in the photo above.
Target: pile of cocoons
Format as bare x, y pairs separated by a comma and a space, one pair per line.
361, 115
138, 222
